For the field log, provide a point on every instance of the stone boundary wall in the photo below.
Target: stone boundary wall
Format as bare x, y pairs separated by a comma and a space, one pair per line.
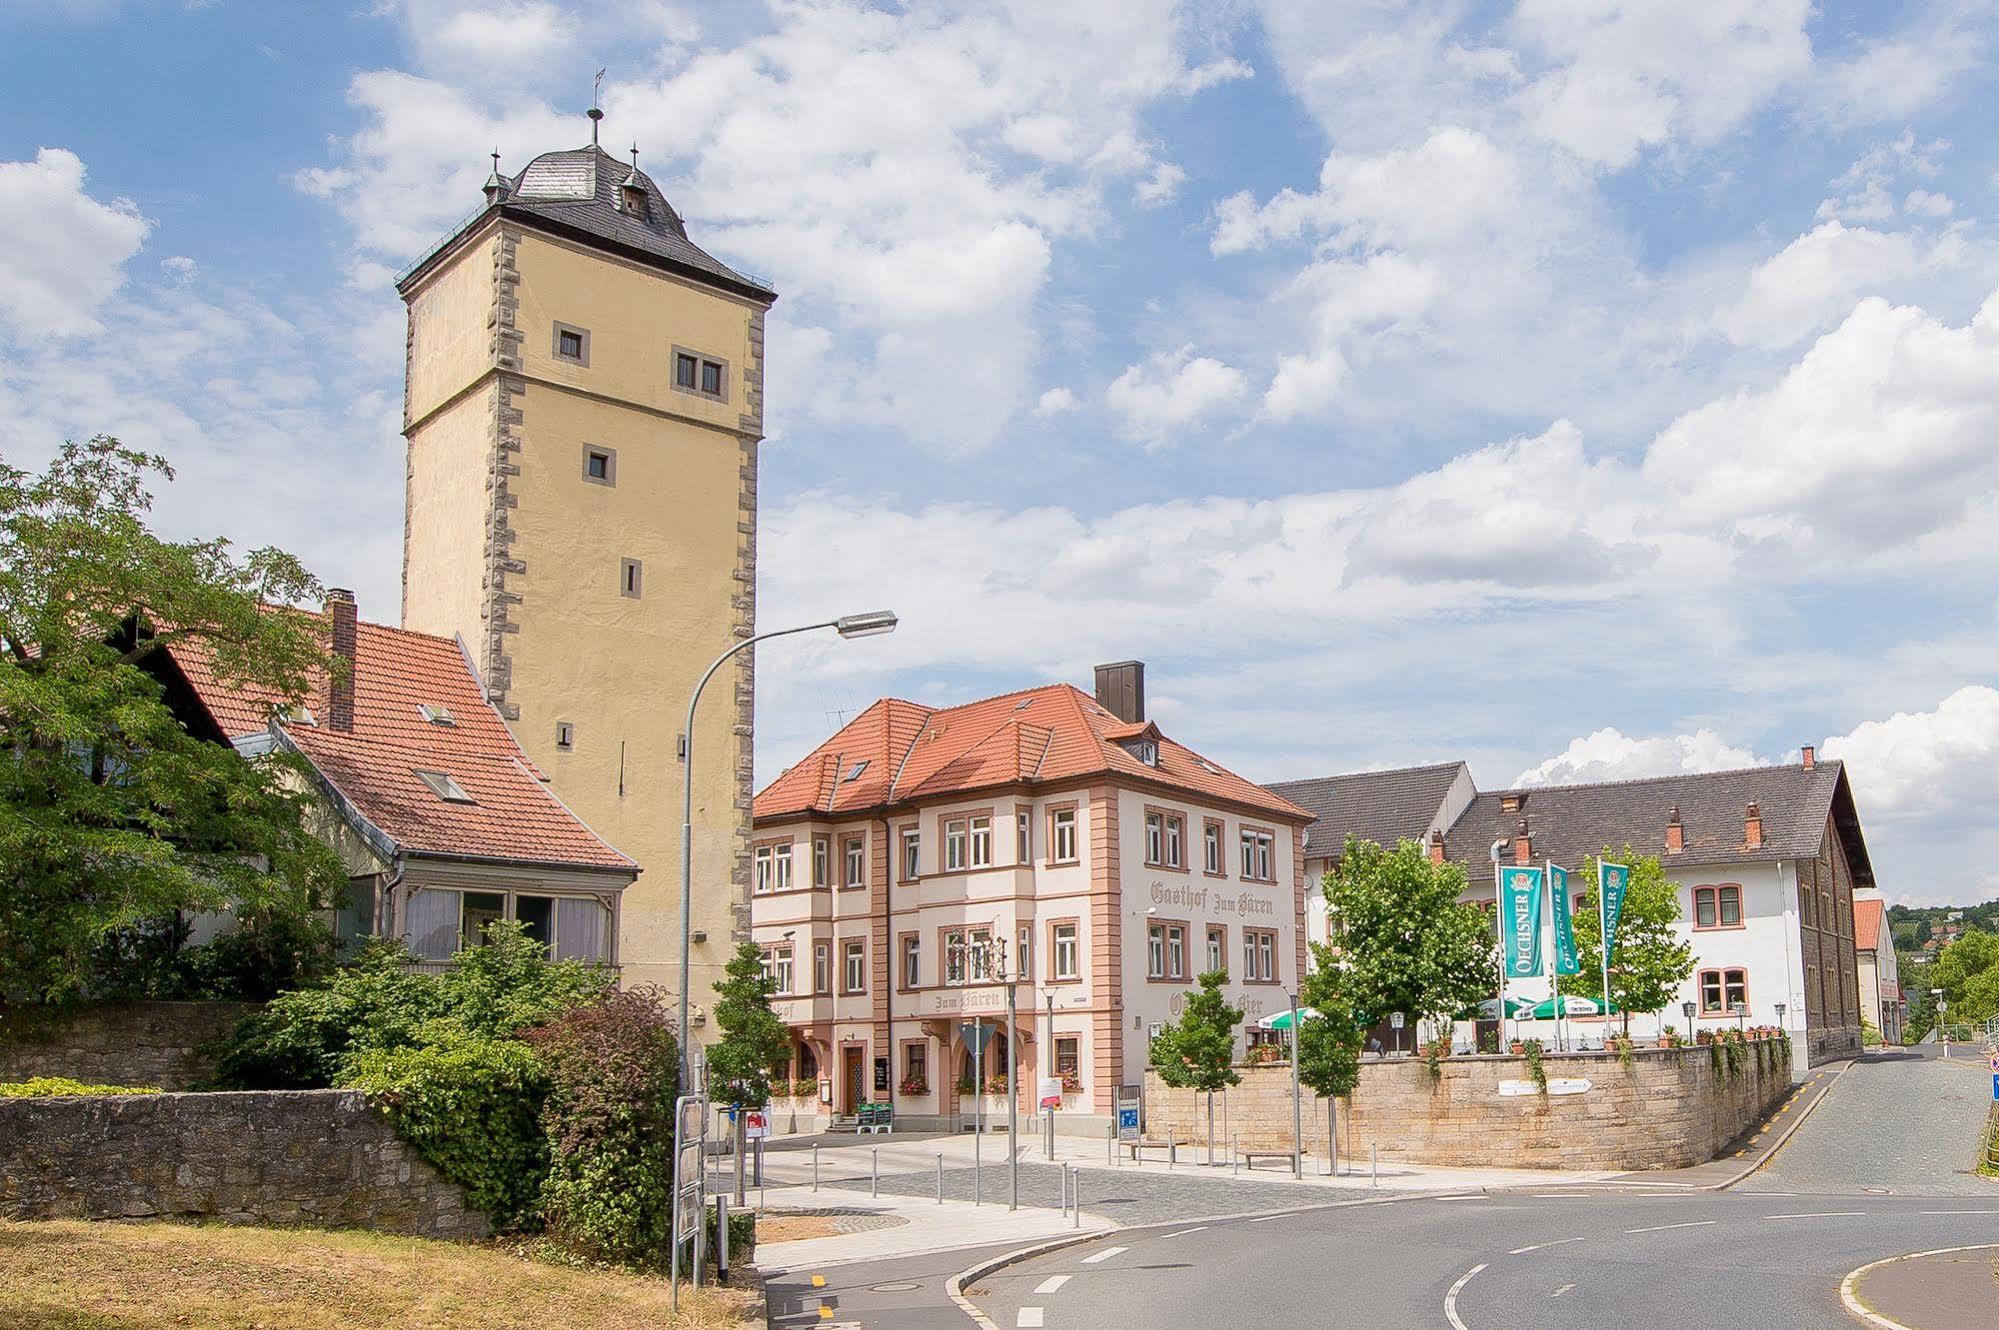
318, 1157
1669, 1109
155, 1044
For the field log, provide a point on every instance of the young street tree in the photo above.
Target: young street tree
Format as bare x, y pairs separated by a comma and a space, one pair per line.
1648, 964
112, 815
1406, 942
1197, 1052
753, 1041
1329, 1044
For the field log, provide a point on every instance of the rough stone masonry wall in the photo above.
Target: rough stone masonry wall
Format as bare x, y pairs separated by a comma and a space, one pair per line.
1669, 1109
155, 1044
318, 1157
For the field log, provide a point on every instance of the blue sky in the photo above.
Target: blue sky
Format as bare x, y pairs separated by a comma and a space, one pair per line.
1583, 389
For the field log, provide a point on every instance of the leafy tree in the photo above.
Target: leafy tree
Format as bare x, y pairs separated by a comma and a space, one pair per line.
1968, 973
1197, 1052
1329, 1045
111, 813
753, 1040
1648, 964
1405, 940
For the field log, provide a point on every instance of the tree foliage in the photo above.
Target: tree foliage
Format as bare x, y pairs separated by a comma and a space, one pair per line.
1197, 1051
111, 813
1402, 937
1649, 962
753, 1039
1968, 973
1329, 1045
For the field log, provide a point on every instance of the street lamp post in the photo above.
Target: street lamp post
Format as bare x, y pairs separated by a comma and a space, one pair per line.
1943, 1026
1687, 1010
1297, 1111
870, 624
1741, 1010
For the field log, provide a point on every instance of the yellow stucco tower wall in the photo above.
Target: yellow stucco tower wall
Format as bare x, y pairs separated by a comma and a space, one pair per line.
512, 543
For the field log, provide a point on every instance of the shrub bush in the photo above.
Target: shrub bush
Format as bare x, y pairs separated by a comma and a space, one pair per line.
470, 1105
42, 1087
613, 1071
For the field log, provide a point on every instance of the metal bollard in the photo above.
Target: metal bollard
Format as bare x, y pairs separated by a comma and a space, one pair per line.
874, 1170
815, 1166
722, 1235
1110, 1147
940, 1179
1065, 1191
978, 1179
1234, 1158
1373, 1166
1172, 1151
1076, 1200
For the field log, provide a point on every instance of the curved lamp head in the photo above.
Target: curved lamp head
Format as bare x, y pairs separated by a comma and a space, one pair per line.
872, 624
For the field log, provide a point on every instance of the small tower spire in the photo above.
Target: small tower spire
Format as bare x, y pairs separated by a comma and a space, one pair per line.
496, 184
596, 111
632, 193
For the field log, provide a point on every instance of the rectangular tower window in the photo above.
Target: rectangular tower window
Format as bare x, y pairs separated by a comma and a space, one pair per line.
631, 577
702, 375
572, 344
600, 465
565, 735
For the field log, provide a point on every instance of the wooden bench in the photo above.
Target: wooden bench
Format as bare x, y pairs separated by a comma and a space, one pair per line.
1249, 1157
1171, 1147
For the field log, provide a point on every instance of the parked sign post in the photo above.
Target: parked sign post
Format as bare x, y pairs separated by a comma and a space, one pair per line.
690, 1170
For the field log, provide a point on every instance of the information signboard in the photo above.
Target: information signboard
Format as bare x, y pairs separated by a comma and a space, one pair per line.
756, 1125
1051, 1092
1127, 1113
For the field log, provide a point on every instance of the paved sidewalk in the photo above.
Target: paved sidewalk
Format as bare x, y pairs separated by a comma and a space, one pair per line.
1956, 1290
907, 1226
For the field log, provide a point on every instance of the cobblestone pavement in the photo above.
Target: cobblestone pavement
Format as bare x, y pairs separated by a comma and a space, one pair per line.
1125, 1197
1897, 1122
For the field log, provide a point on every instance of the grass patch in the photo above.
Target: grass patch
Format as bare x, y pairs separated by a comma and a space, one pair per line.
43, 1087
77, 1275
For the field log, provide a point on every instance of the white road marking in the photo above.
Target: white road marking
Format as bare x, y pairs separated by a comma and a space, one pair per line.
1522, 1251
1661, 1228
1104, 1255
1198, 1228
1264, 1219
1560, 1291
1052, 1284
1029, 1318
1451, 1298
1958, 1212
1460, 1198
1821, 1214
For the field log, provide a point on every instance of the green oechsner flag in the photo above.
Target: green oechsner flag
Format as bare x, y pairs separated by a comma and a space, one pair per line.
1520, 903
1567, 959
1612, 881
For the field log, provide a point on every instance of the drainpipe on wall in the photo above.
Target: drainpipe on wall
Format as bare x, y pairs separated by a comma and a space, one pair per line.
385, 899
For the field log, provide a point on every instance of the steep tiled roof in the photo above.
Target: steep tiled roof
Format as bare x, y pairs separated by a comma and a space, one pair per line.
1381, 806
1567, 823
372, 768
1867, 915
1042, 735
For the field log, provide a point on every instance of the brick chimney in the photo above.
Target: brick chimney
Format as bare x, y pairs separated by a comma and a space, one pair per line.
1523, 845
1752, 825
1676, 835
1121, 690
1811, 757
1436, 847
344, 633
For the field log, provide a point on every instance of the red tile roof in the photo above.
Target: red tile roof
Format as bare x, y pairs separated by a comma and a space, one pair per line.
1040, 736
514, 816
1867, 915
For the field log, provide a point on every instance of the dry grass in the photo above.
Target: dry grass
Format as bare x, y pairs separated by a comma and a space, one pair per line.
73, 1275
796, 1228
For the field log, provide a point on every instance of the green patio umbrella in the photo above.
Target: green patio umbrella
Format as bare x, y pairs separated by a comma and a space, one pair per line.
1572, 1005
1488, 1010
1282, 1020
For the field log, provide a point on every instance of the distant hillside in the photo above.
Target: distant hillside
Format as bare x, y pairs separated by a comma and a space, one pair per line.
1924, 929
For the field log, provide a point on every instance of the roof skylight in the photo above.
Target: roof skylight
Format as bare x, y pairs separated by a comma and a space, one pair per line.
435, 714
445, 787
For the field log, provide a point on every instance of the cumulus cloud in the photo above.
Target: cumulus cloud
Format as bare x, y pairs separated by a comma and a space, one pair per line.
1170, 391
1610, 754
65, 252
1918, 764
1055, 402
1816, 278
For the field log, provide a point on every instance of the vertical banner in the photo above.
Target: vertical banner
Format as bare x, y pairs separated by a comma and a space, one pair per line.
1520, 911
1567, 959
1612, 880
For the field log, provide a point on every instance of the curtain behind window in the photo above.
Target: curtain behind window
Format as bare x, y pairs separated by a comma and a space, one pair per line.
580, 929
432, 926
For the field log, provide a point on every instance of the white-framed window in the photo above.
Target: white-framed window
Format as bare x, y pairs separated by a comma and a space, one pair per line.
1063, 851
968, 956
912, 960
777, 964
982, 842
1065, 951
1218, 948
1176, 835
1155, 951
856, 861
1176, 951
822, 967
1259, 956
912, 846
854, 966
1023, 965
765, 862
954, 845
1155, 837
1257, 848
822, 865
1211, 848
1023, 837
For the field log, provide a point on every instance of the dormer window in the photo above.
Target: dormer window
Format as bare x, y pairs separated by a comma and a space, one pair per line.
435, 714
1145, 750
632, 196
445, 787
297, 715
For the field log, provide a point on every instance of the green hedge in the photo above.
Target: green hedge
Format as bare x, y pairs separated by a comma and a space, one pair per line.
42, 1087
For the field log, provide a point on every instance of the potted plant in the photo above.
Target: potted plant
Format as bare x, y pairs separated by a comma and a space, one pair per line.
1704, 1037
1437, 1048
1517, 1047
1072, 1083
913, 1086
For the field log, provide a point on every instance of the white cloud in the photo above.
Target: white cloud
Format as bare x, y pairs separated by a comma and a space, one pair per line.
1610, 754
65, 251
1815, 279
1922, 764
1170, 391
1055, 402
1865, 191
180, 269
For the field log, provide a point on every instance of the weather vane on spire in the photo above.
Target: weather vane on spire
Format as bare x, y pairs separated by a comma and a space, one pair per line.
596, 112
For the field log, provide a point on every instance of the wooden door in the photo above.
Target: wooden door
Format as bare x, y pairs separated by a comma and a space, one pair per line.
857, 1092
